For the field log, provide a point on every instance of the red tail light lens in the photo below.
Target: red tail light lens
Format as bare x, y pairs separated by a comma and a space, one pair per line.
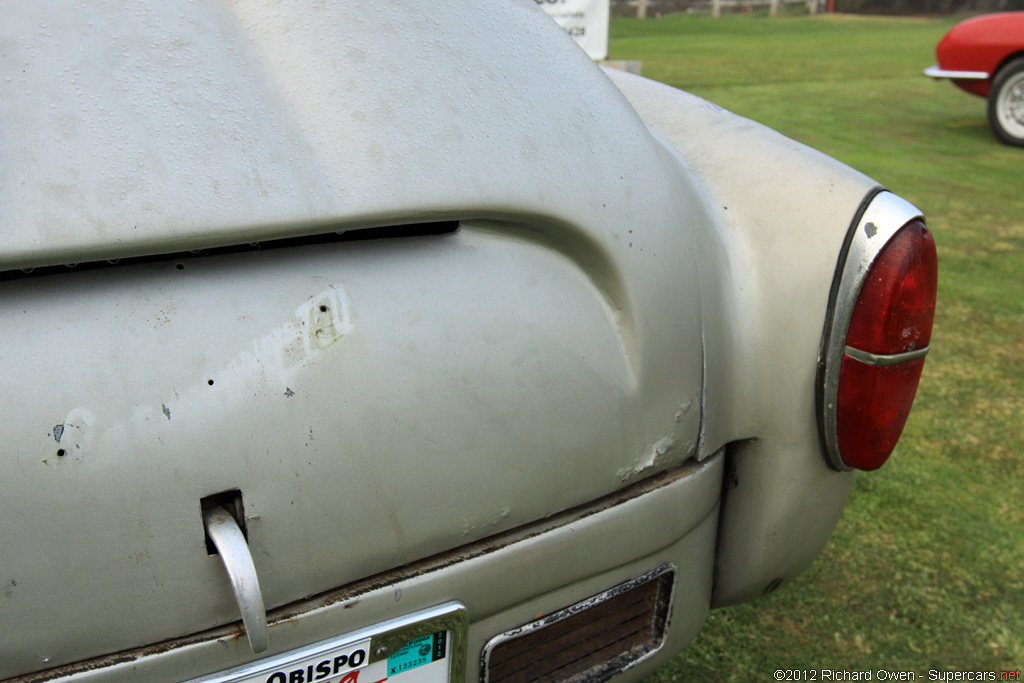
896, 305
874, 403
888, 336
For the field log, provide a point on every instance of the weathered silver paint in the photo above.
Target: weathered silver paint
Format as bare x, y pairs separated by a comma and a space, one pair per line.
766, 266
631, 288
226, 535
456, 387
667, 519
527, 364
882, 218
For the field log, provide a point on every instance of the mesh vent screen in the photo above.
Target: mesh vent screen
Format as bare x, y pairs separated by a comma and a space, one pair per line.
590, 641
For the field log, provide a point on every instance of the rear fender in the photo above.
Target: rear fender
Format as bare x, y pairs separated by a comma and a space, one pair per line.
766, 268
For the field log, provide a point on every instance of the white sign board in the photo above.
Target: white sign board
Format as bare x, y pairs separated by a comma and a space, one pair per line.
585, 20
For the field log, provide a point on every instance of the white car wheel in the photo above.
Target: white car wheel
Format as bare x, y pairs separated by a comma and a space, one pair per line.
1006, 104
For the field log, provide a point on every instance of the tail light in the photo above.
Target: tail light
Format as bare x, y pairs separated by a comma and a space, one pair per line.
883, 306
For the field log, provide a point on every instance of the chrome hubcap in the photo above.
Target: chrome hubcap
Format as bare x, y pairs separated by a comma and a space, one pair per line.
1010, 106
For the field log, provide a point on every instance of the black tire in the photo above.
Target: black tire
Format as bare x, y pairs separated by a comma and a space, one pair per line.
1006, 103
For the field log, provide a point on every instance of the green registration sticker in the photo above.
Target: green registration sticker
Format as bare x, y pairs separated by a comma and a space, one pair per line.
423, 650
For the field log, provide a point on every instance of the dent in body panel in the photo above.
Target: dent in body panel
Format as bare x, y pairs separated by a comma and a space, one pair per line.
666, 449
770, 259
678, 433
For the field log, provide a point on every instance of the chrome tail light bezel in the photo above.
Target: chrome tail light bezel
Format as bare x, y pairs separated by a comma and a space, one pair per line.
882, 215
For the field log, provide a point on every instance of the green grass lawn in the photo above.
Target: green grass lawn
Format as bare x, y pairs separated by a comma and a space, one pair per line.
926, 569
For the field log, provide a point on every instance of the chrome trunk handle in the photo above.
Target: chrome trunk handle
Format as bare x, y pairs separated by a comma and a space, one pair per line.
226, 535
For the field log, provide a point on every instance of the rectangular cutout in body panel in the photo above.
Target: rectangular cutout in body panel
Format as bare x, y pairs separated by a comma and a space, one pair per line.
590, 641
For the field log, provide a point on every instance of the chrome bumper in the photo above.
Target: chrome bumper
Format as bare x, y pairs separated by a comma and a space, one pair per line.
936, 72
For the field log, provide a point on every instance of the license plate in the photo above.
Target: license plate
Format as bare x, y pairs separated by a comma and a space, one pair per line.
425, 647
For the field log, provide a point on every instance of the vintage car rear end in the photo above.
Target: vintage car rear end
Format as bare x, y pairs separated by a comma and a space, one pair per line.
352, 343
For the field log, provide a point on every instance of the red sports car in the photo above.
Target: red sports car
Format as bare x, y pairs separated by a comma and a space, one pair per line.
985, 56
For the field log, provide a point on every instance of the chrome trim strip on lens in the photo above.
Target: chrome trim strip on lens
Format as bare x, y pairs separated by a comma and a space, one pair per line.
884, 216
936, 72
885, 360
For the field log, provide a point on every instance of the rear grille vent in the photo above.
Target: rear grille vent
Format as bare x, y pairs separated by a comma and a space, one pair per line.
590, 641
